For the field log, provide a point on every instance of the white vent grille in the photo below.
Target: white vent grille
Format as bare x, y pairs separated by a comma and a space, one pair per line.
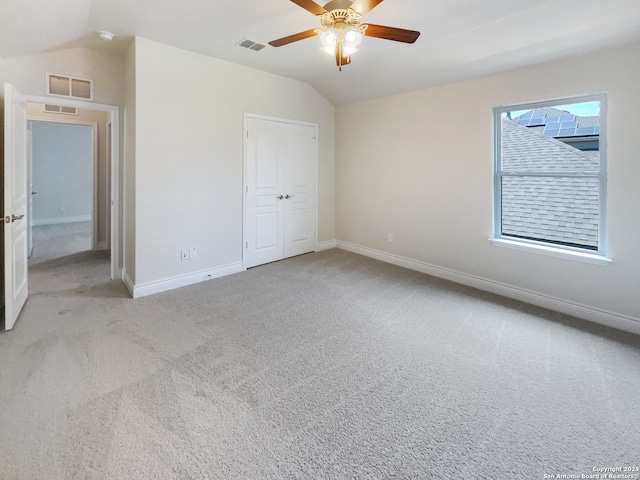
251, 44
80, 88
63, 86
58, 85
61, 109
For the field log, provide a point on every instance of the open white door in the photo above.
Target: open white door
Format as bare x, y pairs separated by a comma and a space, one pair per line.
31, 192
15, 213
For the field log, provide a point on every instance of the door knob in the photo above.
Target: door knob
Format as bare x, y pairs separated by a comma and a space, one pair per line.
16, 217
280, 197
289, 196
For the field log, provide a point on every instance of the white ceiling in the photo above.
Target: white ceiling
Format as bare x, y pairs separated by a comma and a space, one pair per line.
460, 39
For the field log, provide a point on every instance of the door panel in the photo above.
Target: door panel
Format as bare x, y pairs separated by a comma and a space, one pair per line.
280, 209
15, 204
20, 249
300, 212
263, 209
266, 162
267, 232
299, 230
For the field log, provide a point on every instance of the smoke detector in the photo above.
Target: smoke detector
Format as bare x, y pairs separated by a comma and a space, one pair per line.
106, 36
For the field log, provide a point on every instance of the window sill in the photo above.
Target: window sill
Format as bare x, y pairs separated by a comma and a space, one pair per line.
551, 251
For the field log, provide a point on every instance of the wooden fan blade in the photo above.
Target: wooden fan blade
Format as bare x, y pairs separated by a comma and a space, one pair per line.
310, 6
293, 38
364, 6
392, 33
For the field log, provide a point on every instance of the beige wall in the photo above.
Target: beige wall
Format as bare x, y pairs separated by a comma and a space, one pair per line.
28, 73
106, 70
35, 111
419, 166
127, 173
189, 113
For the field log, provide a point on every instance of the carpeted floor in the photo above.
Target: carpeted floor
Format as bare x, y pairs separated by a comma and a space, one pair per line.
324, 366
60, 240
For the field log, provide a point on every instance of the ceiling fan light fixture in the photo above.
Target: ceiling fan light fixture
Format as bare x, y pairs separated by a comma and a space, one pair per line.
348, 51
349, 38
352, 38
329, 50
341, 31
329, 38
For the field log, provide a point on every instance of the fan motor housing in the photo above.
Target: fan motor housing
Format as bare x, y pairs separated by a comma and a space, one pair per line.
337, 5
340, 16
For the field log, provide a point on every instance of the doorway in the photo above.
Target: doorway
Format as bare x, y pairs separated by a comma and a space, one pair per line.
63, 178
106, 227
15, 176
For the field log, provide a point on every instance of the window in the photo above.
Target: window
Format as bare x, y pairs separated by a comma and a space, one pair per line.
550, 175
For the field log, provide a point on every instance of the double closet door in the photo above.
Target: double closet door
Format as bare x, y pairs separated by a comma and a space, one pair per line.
280, 190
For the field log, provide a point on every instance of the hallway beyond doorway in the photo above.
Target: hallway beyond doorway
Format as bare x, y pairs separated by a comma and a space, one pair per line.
60, 240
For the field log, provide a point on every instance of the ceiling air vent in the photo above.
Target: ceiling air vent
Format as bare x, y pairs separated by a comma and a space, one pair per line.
251, 44
63, 86
61, 109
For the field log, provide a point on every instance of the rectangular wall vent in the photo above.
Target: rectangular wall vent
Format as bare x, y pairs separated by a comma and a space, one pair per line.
251, 44
63, 86
61, 109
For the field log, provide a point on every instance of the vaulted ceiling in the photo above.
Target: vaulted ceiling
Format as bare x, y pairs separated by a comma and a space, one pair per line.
460, 39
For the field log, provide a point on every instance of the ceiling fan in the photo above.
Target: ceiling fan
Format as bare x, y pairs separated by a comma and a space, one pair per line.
342, 31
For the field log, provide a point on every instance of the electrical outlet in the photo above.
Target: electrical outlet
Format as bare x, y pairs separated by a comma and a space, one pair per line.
193, 252
390, 237
62, 208
184, 254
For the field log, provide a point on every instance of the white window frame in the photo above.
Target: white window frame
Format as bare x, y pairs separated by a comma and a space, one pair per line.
598, 256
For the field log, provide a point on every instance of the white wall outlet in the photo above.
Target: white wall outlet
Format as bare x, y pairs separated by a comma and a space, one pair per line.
62, 208
193, 252
184, 254
390, 237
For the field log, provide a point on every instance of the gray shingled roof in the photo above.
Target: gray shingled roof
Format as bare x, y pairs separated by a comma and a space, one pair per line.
563, 210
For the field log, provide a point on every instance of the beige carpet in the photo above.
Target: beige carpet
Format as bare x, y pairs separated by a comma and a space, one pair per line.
60, 240
327, 365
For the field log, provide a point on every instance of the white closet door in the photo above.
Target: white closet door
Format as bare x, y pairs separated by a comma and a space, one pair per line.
280, 199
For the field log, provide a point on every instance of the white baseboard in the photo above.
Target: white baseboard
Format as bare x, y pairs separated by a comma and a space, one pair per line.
119, 273
622, 322
127, 281
329, 244
58, 220
151, 288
